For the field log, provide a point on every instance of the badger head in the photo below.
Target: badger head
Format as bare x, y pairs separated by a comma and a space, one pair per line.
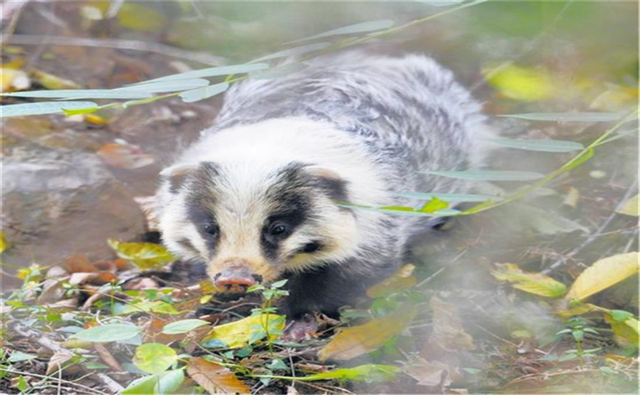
252, 224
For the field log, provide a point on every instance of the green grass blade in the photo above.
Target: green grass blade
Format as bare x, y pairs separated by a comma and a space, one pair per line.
568, 116
488, 175
211, 72
539, 145
42, 108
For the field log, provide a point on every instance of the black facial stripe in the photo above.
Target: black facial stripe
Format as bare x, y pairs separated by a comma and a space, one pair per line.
336, 189
291, 197
201, 202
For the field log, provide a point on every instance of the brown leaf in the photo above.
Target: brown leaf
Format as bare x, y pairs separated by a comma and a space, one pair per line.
125, 156
400, 280
215, 378
429, 373
448, 334
352, 342
52, 291
79, 263
57, 361
107, 357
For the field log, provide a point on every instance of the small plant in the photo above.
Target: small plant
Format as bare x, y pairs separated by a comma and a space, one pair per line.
577, 328
268, 329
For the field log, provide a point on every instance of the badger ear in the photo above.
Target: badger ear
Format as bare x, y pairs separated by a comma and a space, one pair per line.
177, 174
330, 181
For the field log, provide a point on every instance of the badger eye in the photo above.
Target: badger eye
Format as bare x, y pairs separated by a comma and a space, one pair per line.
278, 229
211, 229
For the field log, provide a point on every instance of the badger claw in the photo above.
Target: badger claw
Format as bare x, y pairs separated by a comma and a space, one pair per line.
301, 329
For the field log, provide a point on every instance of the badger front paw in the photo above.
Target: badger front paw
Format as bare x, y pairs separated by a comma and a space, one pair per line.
304, 328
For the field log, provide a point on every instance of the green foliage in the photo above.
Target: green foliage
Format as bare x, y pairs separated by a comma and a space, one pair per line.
488, 175
154, 358
108, 333
539, 145
183, 326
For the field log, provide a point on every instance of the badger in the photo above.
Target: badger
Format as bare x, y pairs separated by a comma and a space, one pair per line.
278, 187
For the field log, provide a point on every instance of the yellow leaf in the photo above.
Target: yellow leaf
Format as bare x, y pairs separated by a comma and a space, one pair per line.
580, 310
139, 17
352, 342
625, 333
630, 207
603, 274
238, 333
3, 243
521, 83
13, 80
143, 255
51, 81
534, 283
398, 281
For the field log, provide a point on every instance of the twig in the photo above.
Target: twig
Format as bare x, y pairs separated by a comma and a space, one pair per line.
595, 235
95, 391
55, 347
106, 356
134, 45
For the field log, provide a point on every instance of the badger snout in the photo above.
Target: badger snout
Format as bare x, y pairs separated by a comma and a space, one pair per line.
235, 278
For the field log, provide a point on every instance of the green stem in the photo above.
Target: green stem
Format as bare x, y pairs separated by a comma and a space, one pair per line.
577, 160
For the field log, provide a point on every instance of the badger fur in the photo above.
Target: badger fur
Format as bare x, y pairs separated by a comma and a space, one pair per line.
261, 189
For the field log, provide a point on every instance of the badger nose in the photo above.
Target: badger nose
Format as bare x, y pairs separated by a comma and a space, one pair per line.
235, 279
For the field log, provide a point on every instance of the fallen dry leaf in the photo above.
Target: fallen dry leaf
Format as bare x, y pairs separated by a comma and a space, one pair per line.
352, 342
125, 156
448, 333
215, 378
400, 280
57, 361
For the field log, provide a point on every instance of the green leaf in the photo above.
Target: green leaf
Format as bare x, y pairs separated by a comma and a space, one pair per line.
365, 27
203, 93
19, 356
568, 117
434, 205
297, 51
368, 373
539, 145
399, 210
22, 384
278, 72
82, 94
108, 333
57, 107
211, 72
183, 326
142, 386
620, 315
154, 306
488, 175
169, 382
279, 284
447, 197
166, 86
154, 358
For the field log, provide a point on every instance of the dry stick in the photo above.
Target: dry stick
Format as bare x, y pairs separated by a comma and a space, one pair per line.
55, 347
595, 235
134, 45
84, 387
